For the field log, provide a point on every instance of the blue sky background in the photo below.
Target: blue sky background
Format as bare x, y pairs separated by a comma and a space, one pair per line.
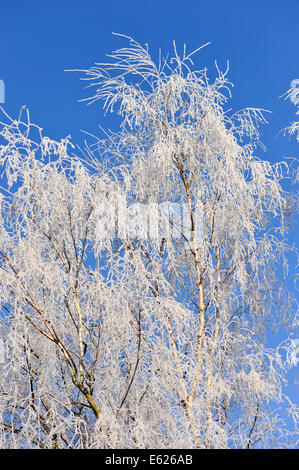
40, 39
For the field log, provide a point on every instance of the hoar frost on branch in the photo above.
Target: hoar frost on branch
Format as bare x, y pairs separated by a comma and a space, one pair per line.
152, 342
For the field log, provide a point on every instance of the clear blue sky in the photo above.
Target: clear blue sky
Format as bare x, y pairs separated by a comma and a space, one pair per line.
40, 39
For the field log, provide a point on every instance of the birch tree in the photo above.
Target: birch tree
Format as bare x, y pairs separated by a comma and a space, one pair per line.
139, 278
